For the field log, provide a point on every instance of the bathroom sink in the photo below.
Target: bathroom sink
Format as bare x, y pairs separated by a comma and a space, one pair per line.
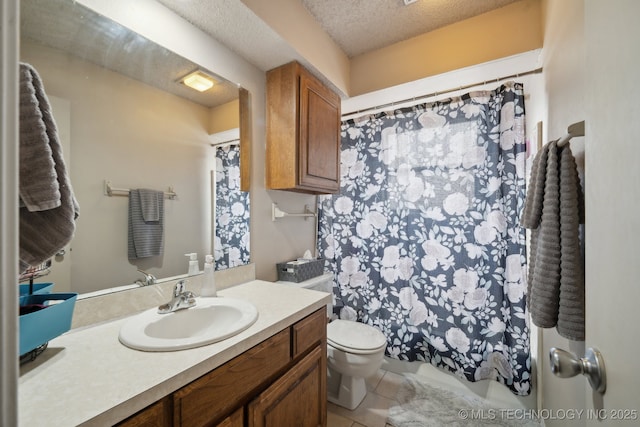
211, 320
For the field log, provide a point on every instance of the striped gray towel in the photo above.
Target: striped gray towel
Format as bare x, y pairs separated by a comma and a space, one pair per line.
554, 210
48, 208
146, 223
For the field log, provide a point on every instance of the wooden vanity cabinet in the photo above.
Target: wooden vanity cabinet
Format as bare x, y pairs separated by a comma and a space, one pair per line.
303, 132
234, 420
155, 415
295, 399
279, 382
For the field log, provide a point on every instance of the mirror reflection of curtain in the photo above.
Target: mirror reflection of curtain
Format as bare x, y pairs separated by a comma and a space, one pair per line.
231, 239
424, 236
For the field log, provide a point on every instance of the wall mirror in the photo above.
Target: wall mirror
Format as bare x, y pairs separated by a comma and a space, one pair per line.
127, 121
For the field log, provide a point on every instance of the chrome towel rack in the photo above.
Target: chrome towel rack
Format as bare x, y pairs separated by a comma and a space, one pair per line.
111, 191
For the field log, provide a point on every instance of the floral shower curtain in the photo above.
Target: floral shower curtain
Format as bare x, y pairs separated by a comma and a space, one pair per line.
231, 241
424, 237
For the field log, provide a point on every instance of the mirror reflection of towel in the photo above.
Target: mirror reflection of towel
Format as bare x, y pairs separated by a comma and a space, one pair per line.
48, 208
146, 223
150, 202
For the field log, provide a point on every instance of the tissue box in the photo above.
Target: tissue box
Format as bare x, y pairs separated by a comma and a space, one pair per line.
299, 271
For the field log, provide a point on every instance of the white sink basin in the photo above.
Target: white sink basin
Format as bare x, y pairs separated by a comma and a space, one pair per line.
211, 320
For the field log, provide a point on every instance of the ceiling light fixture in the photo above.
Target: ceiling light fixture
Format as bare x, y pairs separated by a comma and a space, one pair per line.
198, 80
408, 2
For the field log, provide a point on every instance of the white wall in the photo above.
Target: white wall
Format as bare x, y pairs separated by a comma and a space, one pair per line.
612, 36
591, 64
564, 76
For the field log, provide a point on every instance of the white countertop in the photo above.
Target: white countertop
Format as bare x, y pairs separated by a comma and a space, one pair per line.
87, 377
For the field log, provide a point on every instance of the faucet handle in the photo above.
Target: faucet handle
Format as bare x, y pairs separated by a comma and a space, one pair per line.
179, 288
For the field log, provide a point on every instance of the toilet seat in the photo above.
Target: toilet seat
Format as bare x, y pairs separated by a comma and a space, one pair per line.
355, 337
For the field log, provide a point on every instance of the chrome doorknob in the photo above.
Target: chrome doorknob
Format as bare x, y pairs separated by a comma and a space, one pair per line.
567, 365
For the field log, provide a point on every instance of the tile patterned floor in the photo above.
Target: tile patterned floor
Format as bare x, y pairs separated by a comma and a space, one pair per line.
372, 412
383, 387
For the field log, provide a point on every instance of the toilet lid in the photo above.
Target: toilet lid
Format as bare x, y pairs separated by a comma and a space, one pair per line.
355, 337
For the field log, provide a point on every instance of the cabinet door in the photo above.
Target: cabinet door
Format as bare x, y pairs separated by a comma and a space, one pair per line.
309, 332
298, 398
319, 138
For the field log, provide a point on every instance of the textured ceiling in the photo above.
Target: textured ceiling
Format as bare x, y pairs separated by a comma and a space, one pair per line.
357, 26
360, 26
72, 28
237, 27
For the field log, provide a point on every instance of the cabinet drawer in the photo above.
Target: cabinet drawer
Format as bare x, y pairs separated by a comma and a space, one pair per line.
155, 415
216, 394
308, 332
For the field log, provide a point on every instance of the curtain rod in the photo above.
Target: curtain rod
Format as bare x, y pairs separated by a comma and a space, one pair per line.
443, 92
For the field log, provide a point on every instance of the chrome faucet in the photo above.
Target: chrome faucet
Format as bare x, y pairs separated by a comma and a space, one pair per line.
181, 299
149, 279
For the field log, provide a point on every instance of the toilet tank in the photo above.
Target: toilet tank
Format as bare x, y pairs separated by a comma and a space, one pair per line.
323, 283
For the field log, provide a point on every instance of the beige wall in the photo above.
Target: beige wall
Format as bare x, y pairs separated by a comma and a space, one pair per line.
271, 242
510, 30
224, 117
287, 238
506, 31
137, 137
301, 31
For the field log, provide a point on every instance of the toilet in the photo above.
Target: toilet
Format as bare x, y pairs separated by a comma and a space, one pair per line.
354, 352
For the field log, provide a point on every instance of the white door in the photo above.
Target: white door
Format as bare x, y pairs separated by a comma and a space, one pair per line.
612, 183
601, 86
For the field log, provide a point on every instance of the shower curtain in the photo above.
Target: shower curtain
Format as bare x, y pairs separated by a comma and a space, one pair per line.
231, 241
424, 237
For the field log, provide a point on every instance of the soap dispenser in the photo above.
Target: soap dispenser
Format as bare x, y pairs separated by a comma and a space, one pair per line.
193, 264
208, 278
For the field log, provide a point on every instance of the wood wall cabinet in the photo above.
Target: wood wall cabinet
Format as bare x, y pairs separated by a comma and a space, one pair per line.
303, 132
279, 382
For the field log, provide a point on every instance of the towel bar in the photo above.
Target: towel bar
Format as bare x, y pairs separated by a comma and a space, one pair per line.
113, 191
574, 130
276, 212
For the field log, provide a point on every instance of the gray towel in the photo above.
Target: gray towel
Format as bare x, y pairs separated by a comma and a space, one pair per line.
150, 202
554, 210
48, 208
146, 223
